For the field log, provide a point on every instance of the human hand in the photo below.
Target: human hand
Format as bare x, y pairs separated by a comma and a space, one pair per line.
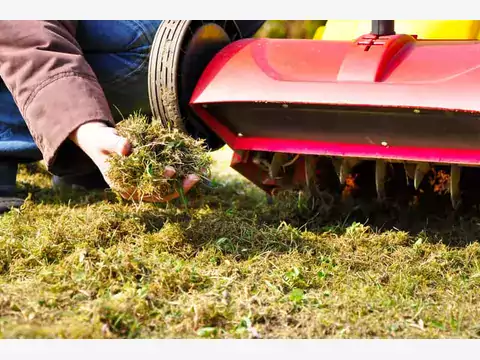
99, 141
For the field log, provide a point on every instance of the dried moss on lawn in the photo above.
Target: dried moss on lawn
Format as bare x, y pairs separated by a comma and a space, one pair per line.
154, 148
87, 266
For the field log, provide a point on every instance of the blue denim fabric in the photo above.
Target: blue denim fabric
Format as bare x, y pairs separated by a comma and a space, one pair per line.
118, 52
16, 143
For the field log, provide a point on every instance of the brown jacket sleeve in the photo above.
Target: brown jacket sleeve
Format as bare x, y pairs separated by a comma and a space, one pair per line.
54, 87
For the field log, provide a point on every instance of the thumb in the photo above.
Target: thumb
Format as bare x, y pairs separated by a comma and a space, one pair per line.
116, 144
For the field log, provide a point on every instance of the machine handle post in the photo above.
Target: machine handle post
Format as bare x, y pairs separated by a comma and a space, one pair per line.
383, 27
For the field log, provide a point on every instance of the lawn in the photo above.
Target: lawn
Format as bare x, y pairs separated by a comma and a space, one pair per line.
231, 265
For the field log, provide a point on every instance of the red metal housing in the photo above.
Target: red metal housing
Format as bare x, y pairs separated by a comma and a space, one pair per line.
392, 97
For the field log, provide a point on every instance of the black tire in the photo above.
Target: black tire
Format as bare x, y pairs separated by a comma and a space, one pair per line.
172, 75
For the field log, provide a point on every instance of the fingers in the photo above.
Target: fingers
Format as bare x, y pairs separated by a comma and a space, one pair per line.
156, 199
123, 147
169, 172
188, 183
115, 144
97, 139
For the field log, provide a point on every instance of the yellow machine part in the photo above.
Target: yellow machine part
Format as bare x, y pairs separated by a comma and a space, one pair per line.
425, 29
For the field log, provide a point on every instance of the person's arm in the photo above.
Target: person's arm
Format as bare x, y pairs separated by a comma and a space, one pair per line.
54, 87
61, 100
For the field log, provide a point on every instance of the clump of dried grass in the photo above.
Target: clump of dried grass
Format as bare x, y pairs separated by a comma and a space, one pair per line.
154, 147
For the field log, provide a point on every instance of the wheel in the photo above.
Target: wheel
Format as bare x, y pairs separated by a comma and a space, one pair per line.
180, 52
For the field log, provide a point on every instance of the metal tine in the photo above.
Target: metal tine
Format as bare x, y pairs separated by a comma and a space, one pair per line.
278, 160
420, 171
409, 171
455, 194
344, 168
380, 176
310, 175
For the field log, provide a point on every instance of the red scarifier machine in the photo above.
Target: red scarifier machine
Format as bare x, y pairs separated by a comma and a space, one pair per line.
325, 115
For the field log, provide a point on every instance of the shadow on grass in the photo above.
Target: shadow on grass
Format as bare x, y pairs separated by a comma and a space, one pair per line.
240, 218
253, 231
234, 234
34, 168
454, 229
50, 196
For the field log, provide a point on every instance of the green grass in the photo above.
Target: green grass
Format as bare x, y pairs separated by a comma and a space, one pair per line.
86, 265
